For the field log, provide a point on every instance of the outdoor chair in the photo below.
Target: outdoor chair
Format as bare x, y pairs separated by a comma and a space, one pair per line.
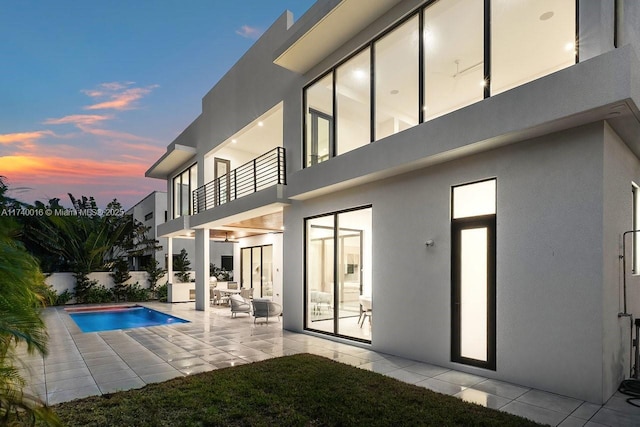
232, 285
247, 294
365, 309
238, 305
219, 298
265, 308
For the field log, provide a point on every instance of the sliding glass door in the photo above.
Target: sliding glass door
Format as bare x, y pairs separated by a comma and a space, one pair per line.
338, 273
257, 270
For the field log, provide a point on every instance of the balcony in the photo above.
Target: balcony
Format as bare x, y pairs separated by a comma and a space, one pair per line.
262, 172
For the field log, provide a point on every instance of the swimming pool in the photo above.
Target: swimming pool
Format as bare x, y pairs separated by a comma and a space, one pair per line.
112, 318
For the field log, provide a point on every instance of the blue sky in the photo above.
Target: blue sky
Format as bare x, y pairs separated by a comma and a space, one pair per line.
91, 92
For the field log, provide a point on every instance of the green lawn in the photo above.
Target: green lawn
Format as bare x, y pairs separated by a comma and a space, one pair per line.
299, 390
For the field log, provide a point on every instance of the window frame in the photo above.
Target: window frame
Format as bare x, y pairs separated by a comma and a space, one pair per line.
419, 11
176, 199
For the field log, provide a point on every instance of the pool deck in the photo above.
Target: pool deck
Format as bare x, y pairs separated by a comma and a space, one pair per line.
86, 364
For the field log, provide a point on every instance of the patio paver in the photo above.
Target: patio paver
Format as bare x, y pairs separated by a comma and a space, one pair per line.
85, 364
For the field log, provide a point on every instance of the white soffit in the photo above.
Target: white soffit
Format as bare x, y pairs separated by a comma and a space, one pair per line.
175, 156
333, 30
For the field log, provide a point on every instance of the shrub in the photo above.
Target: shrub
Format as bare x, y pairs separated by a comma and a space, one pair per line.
163, 292
181, 265
136, 293
98, 294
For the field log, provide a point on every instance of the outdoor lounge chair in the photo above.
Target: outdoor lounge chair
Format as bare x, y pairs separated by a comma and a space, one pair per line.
238, 305
265, 308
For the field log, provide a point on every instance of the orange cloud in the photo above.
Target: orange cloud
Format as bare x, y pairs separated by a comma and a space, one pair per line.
38, 170
24, 137
78, 119
121, 96
249, 32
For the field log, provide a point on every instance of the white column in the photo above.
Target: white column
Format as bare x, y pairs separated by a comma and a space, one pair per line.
170, 259
202, 269
170, 269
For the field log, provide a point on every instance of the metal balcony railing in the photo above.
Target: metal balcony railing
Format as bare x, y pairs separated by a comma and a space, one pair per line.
262, 172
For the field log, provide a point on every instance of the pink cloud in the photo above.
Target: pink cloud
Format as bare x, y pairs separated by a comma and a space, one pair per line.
78, 119
249, 32
120, 96
24, 137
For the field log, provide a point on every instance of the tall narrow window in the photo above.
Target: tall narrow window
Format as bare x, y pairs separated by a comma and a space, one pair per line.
473, 281
530, 39
453, 56
183, 185
396, 80
319, 121
257, 270
353, 100
636, 226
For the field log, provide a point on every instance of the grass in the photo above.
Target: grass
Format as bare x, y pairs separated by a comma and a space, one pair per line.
298, 390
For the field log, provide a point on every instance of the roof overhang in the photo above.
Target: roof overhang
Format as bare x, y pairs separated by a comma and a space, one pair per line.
323, 31
175, 156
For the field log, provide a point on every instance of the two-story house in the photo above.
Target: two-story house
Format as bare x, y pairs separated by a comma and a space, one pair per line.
450, 181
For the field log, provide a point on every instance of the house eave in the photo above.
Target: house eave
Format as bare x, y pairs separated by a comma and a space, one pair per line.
326, 27
175, 156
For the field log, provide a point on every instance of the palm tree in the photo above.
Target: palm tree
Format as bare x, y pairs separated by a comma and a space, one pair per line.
21, 285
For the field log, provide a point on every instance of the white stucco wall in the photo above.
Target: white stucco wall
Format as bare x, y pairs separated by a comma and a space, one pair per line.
549, 261
621, 167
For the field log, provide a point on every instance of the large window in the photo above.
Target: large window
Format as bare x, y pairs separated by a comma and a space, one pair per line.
530, 39
338, 274
183, 184
473, 278
396, 80
353, 90
319, 121
453, 56
443, 57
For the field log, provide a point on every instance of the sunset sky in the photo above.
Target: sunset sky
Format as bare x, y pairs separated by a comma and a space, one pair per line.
92, 92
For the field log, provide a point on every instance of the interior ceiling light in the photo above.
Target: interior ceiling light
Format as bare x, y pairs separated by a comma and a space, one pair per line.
233, 141
260, 124
359, 74
546, 16
394, 92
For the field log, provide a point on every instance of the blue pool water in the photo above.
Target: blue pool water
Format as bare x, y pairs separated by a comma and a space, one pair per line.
126, 318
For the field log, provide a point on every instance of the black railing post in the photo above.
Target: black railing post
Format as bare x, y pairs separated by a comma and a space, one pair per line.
255, 176
235, 184
278, 161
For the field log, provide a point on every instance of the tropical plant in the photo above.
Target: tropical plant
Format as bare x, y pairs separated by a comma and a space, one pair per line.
85, 239
163, 292
154, 273
182, 265
120, 275
21, 288
220, 273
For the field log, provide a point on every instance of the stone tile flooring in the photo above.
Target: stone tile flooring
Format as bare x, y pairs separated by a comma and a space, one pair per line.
85, 364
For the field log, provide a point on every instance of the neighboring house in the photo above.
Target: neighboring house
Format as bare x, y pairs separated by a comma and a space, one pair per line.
151, 212
465, 168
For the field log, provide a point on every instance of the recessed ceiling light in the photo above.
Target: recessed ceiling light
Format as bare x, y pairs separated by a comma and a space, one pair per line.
233, 141
570, 46
359, 74
546, 16
260, 124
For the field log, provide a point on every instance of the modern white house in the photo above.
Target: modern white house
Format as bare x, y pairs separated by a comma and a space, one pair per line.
451, 181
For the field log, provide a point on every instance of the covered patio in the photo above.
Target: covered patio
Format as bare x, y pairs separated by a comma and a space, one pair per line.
86, 364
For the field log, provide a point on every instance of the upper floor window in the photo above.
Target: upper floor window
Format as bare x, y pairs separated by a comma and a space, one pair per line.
183, 184
433, 62
148, 216
396, 80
